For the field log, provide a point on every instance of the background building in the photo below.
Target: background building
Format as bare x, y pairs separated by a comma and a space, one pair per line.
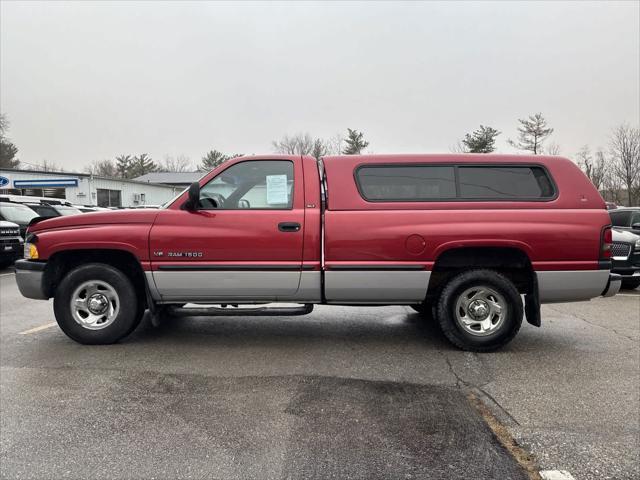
85, 189
175, 179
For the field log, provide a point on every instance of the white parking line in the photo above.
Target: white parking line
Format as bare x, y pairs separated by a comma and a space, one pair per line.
556, 475
37, 329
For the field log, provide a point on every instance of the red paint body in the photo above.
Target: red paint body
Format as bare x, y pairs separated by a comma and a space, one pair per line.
561, 234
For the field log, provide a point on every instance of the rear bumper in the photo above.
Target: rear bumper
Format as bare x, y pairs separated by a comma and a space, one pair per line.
30, 279
613, 285
627, 272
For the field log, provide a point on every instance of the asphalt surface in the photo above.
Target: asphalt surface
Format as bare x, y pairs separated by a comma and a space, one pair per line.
341, 393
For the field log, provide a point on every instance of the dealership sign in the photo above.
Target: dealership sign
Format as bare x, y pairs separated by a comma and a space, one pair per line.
44, 183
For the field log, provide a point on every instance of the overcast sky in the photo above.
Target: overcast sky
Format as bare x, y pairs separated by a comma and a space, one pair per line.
88, 81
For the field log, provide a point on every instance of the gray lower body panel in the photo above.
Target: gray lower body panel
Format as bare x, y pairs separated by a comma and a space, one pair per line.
235, 286
376, 286
571, 286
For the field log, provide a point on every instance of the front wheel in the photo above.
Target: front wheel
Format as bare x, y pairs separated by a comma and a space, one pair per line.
479, 311
96, 304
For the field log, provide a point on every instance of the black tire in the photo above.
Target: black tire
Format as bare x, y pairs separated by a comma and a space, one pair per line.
505, 330
630, 283
126, 319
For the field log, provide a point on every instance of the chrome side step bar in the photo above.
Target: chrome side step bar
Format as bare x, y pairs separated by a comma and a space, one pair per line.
240, 311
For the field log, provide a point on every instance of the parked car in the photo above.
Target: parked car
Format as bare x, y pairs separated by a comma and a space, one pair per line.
464, 236
625, 254
89, 208
34, 199
11, 243
626, 218
46, 210
17, 213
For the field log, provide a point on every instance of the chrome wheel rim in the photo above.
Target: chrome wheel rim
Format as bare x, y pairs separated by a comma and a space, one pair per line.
480, 310
95, 305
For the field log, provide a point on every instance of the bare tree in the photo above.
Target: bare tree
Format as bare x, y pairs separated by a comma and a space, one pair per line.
181, 163
458, 147
613, 188
102, 168
531, 133
334, 144
594, 168
625, 152
298, 144
553, 149
48, 166
305, 144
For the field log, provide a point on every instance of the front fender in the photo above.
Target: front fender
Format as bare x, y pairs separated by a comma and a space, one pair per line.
132, 238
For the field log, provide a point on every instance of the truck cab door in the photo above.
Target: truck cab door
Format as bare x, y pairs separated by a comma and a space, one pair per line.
243, 242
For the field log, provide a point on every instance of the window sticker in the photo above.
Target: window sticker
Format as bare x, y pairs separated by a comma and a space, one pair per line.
277, 189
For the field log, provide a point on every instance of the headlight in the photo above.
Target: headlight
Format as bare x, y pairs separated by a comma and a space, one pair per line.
30, 251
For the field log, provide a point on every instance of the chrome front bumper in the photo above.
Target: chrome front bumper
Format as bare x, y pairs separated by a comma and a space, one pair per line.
613, 285
29, 277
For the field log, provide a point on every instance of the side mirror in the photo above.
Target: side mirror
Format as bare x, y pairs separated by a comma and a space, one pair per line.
194, 196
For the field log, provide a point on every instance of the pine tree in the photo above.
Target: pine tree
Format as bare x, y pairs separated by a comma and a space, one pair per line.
8, 150
481, 140
212, 159
355, 142
531, 133
141, 165
123, 166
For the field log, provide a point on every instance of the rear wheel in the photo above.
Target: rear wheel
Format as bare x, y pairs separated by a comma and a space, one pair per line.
479, 310
97, 304
630, 283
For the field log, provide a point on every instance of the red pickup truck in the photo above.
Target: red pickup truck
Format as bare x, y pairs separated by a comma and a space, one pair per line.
462, 238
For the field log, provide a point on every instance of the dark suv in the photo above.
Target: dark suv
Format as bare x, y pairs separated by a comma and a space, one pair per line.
51, 210
11, 244
625, 257
16, 213
626, 219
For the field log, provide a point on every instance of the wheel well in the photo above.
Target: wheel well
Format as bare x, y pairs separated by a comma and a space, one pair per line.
63, 262
513, 263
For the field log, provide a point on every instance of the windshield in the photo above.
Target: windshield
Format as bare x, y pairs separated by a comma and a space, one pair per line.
67, 210
17, 213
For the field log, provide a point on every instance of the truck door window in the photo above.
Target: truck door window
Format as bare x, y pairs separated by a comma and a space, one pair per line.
256, 185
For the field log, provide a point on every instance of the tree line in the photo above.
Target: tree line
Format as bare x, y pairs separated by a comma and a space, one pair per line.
614, 169
133, 166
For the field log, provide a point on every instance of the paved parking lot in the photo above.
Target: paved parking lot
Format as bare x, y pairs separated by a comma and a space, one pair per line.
341, 393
